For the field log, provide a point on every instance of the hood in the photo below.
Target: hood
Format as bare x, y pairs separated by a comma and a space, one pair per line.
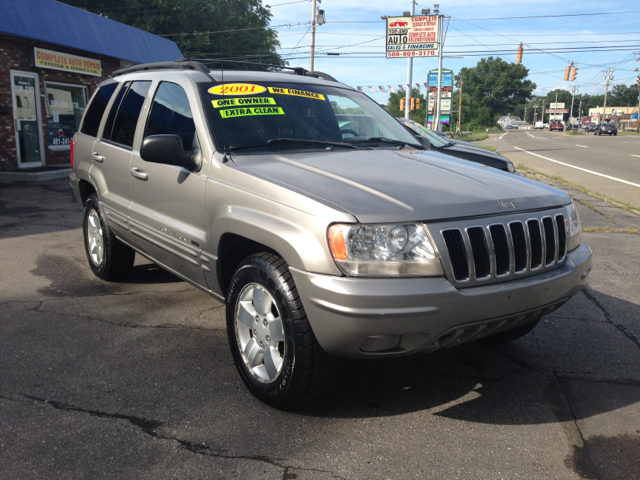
379, 186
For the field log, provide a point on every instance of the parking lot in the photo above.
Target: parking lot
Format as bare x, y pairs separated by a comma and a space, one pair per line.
135, 380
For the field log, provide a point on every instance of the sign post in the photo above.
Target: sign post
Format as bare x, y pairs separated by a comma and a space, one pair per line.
441, 111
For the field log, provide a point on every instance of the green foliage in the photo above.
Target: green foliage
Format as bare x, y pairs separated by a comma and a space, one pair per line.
491, 89
393, 105
257, 42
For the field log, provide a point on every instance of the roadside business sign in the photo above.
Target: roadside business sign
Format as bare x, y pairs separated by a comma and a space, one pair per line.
557, 110
446, 87
66, 62
556, 105
412, 36
443, 119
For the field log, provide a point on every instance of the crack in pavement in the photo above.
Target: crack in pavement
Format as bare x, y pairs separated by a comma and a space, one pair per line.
621, 328
567, 403
150, 427
165, 326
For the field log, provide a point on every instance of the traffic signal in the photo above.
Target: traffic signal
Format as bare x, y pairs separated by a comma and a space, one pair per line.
574, 73
402, 104
519, 58
567, 71
417, 104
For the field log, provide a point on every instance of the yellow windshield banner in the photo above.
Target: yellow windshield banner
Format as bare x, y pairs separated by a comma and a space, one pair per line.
297, 93
239, 102
245, 112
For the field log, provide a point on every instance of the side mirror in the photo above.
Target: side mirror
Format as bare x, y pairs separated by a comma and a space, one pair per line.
167, 149
424, 141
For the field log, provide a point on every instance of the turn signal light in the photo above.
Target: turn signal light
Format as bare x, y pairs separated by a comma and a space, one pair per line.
71, 153
337, 243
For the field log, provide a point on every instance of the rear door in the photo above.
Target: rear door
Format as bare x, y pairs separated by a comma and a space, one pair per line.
112, 155
167, 210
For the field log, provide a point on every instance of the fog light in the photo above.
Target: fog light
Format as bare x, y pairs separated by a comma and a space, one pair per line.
380, 343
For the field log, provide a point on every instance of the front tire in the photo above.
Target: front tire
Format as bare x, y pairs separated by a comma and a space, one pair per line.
109, 258
271, 340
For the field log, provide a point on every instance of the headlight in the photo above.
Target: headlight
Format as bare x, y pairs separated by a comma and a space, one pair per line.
395, 250
574, 228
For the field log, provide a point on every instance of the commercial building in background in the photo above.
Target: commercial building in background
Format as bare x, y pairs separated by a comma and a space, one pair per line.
621, 116
52, 56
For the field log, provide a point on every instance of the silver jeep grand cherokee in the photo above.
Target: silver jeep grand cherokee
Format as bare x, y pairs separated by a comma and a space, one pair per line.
324, 239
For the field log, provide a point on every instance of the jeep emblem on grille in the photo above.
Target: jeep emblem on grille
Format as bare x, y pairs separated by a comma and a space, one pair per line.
507, 204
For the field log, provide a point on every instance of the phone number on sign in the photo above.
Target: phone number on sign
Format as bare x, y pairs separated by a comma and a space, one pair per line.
422, 53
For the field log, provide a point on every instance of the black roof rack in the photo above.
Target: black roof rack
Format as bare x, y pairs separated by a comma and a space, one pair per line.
186, 63
199, 65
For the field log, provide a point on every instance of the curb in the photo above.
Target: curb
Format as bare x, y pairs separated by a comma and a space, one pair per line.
23, 177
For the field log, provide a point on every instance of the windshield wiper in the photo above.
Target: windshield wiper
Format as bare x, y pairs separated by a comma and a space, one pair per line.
276, 141
389, 141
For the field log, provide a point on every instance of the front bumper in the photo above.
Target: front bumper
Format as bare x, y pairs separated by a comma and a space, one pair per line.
426, 312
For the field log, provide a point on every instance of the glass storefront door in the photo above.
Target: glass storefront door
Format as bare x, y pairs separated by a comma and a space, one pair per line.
27, 120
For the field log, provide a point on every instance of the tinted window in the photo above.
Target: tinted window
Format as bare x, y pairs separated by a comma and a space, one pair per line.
96, 109
170, 114
124, 125
114, 109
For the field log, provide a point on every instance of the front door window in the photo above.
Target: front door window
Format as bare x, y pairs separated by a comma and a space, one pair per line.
26, 119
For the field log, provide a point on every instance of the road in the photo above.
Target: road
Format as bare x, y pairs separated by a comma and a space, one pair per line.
613, 162
135, 380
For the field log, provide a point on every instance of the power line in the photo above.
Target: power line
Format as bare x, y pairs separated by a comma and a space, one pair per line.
235, 30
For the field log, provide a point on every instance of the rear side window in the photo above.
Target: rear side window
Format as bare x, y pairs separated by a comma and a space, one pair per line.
96, 109
114, 109
171, 115
126, 117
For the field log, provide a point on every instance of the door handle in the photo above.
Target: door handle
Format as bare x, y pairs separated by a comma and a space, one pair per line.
139, 173
97, 157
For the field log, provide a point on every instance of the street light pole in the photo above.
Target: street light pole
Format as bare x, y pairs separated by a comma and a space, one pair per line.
407, 102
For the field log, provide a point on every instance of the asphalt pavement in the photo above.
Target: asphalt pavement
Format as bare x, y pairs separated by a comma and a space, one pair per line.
604, 164
135, 380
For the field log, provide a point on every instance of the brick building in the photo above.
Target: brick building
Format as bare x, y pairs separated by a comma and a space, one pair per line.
52, 56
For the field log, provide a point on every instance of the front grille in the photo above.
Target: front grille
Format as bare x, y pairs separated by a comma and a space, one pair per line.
502, 250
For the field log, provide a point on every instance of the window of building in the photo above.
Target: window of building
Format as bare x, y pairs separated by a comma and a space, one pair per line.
171, 115
65, 105
124, 125
96, 109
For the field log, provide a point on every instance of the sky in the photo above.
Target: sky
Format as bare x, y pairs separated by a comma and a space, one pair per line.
472, 28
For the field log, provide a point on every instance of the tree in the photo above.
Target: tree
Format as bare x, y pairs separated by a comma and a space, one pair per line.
623, 96
393, 105
491, 89
213, 29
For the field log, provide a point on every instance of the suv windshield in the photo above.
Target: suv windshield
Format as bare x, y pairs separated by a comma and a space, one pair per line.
261, 116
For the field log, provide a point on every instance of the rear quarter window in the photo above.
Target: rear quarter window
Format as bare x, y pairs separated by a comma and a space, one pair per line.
96, 109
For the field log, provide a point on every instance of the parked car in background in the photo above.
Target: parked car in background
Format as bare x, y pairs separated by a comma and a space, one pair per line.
607, 129
590, 127
457, 148
513, 127
539, 125
556, 125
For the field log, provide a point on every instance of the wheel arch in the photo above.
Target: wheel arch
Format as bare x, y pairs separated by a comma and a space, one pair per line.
86, 190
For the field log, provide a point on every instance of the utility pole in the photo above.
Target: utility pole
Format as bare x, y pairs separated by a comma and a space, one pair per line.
458, 129
436, 117
407, 104
535, 114
574, 89
525, 114
543, 102
607, 76
580, 111
313, 34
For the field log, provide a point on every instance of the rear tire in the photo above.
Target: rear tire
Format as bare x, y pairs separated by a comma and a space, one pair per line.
513, 334
272, 343
109, 258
